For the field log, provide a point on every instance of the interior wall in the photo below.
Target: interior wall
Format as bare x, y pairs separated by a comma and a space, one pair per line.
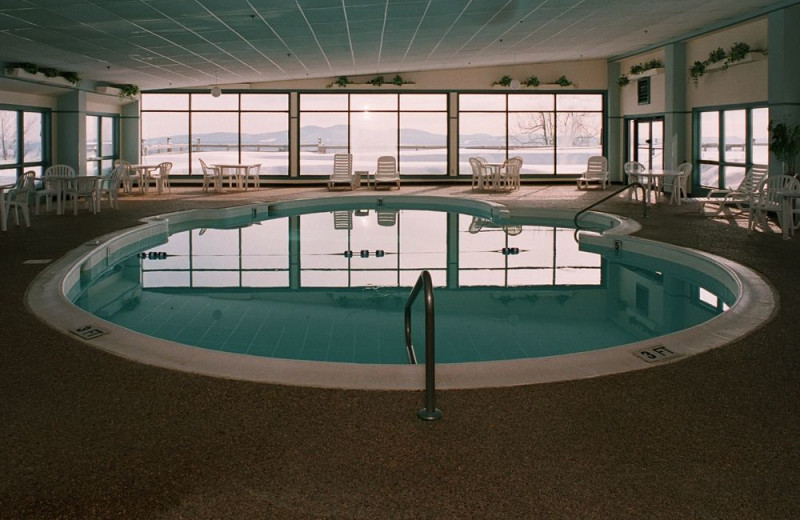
587, 75
628, 94
740, 83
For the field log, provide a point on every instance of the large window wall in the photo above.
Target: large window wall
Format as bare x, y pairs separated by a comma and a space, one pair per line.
183, 128
23, 141
410, 127
729, 141
553, 133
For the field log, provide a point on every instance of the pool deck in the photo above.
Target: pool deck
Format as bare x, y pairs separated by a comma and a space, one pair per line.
89, 435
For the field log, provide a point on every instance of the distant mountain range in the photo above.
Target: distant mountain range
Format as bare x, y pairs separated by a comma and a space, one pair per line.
332, 136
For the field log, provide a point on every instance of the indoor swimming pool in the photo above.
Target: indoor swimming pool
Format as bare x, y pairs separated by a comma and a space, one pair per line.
313, 292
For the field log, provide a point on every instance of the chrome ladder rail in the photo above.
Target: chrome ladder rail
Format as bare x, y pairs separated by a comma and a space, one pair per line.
627, 187
430, 412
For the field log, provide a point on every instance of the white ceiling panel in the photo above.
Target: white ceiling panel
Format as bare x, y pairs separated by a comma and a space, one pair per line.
185, 43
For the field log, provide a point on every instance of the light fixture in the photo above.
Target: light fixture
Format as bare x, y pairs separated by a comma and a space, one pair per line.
215, 90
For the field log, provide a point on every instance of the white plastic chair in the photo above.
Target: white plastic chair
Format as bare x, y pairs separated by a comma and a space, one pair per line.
253, 175
342, 174
386, 172
596, 171
679, 185
510, 173
740, 196
52, 188
18, 197
110, 185
210, 177
632, 169
767, 198
86, 188
479, 173
161, 177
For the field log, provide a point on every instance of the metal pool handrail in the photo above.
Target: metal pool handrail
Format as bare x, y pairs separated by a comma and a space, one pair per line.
627, 187
430, 412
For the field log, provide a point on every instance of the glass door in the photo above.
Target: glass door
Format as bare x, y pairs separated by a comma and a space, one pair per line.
646, 142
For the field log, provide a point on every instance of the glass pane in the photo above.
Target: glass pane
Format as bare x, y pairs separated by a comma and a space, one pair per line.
709, 176
372, 134
323, 101
9, 176
482, 102
265, 102
531, 136
165, 101
734, 176
265, 140
209, 102
423, 143
32, 136
373, 102
709, 136
583, 102
657, 148
8, 137
531, 102
760, 152
107, 136
423, 102
92, 168
481, 135
579, 136
162, 132
92, 129
321, 135
735, 136
215, 133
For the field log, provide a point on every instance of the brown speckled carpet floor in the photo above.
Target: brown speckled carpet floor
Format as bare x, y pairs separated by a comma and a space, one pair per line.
87, 435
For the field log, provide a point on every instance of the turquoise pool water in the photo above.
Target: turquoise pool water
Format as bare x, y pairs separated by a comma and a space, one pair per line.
327, 281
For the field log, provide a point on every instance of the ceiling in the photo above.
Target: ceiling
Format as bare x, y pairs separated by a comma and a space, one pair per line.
184, 43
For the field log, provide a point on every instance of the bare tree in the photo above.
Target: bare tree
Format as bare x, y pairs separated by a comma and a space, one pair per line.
8, 135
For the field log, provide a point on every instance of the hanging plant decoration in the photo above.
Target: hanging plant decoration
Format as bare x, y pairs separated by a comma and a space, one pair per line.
737, 52
563, 82
398, 80
532, 81
341, 81
72, 77
377, 81
623, 80
128, 91
30, 68
505, 81
48, 72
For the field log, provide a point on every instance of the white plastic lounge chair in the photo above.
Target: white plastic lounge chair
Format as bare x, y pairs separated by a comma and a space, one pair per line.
739, 197
596, 171
767, 198
342, 175
386, 172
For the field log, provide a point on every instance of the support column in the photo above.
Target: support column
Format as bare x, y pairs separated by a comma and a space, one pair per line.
676, 133
71, 131
784, 74
130, 139
615, 141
